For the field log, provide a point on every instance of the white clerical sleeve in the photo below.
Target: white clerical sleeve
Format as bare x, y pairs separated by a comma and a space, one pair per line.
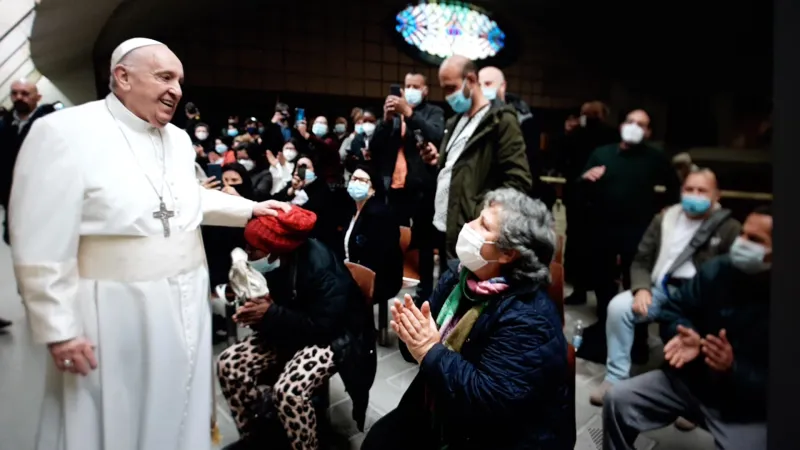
224, 210
44, 218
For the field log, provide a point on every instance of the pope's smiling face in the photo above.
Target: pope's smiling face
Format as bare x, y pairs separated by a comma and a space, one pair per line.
149, 83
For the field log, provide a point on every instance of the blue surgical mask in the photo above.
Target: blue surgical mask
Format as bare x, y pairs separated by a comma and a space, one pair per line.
232, 132
490, 93
358, 190
413, 96
458, 101
359, 128
340, 128
310, 176
319, 129
263, 265
260, 130
221, 148
748, 256
695, 205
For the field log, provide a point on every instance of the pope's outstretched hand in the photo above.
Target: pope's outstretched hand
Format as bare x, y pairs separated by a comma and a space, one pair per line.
270, 208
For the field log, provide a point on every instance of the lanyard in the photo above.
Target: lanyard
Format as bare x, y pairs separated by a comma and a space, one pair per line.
450, 143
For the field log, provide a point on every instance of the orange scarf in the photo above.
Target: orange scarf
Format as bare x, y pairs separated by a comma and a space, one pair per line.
400, 166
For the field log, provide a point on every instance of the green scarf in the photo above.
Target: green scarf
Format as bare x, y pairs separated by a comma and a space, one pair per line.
455, 337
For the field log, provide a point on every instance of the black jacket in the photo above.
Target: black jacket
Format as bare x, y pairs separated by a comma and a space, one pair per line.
10, 143
427, 118
509, 387
317, 302
721, 296
375, 244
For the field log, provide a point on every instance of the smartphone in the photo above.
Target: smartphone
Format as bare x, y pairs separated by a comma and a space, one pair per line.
300, 115
301, 173
395, 90
214, 170
420, 139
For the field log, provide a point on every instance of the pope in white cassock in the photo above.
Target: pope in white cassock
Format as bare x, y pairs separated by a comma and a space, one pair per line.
104, 219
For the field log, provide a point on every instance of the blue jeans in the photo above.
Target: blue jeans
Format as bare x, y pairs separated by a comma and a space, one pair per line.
619, 331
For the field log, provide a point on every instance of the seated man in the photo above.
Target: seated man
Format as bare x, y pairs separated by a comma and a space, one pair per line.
314, 323
677, 241
492, 355
717, 333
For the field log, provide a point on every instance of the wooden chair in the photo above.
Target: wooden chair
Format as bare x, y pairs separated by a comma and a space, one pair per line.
558, 256
556, 292
410, 259
365, 279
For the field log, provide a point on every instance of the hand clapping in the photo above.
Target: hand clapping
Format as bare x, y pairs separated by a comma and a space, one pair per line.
718, 351
415, 327
683, 348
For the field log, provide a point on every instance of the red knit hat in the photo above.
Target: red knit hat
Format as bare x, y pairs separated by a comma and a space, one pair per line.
282, 234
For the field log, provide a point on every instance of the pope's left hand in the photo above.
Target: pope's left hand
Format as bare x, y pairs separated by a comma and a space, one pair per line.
270, 208
415, 327
252, 311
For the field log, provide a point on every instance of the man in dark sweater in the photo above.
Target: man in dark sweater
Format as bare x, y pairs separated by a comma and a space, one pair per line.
717, 335
618, 186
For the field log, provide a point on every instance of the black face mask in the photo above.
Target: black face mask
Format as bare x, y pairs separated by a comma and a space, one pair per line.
22, 107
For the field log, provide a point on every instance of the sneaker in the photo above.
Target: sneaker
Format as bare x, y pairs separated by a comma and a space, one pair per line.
599, 394
684, 425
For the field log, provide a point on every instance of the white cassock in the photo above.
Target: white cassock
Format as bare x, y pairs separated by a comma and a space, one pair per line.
91, 260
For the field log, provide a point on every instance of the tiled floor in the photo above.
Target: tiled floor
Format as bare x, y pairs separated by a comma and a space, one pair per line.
21, 385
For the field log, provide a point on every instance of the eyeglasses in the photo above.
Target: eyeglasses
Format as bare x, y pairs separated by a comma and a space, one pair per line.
363, 180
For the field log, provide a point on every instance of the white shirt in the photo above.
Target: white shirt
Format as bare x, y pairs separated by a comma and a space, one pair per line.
463, 131
682, 234
347, 238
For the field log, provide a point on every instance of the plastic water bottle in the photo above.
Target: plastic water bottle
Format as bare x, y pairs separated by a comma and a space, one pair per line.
577, 337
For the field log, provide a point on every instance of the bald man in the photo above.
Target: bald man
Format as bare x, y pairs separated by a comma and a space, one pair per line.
483, 149
677, 242
104, 216
14, 127
493, 85
619, 180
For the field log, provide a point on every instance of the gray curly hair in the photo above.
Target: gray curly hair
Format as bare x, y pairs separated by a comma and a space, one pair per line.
526, 226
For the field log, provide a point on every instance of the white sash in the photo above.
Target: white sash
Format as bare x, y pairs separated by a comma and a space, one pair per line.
139, 258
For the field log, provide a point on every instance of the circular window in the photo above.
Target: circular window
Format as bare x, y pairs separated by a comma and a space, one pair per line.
439, 30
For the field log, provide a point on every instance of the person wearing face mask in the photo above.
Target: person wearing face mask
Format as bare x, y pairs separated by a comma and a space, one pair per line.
358, 121
582, 135
340, 130
282, 166
359, 152
483, 149
677, 242
313, 323
618, 186
716, 370
492, 357
313, 194
323, 147
372, 239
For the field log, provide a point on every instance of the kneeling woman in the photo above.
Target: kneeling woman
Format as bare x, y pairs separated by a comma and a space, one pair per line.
492, 355
314, 323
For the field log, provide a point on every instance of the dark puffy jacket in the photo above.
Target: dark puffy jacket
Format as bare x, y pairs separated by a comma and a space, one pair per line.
317, 302
508, 389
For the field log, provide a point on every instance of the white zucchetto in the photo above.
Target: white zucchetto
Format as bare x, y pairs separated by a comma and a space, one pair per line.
129, 46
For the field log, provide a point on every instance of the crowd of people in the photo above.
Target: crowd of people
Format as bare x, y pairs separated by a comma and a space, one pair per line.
494, 368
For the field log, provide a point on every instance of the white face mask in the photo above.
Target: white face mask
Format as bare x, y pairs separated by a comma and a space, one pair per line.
202, 135
368, 128
632, 133
582, 121
290, 154
247, 163
468, 249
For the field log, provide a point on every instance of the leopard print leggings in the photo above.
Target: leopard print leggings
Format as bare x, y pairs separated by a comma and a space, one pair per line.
240, 368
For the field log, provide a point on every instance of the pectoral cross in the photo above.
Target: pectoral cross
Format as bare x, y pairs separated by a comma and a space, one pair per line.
163, 214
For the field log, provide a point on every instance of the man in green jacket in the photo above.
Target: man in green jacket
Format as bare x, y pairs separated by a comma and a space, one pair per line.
483, 149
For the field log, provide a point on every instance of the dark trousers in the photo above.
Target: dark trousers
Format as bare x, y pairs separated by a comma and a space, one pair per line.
401, 429
654, 400
577, 245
